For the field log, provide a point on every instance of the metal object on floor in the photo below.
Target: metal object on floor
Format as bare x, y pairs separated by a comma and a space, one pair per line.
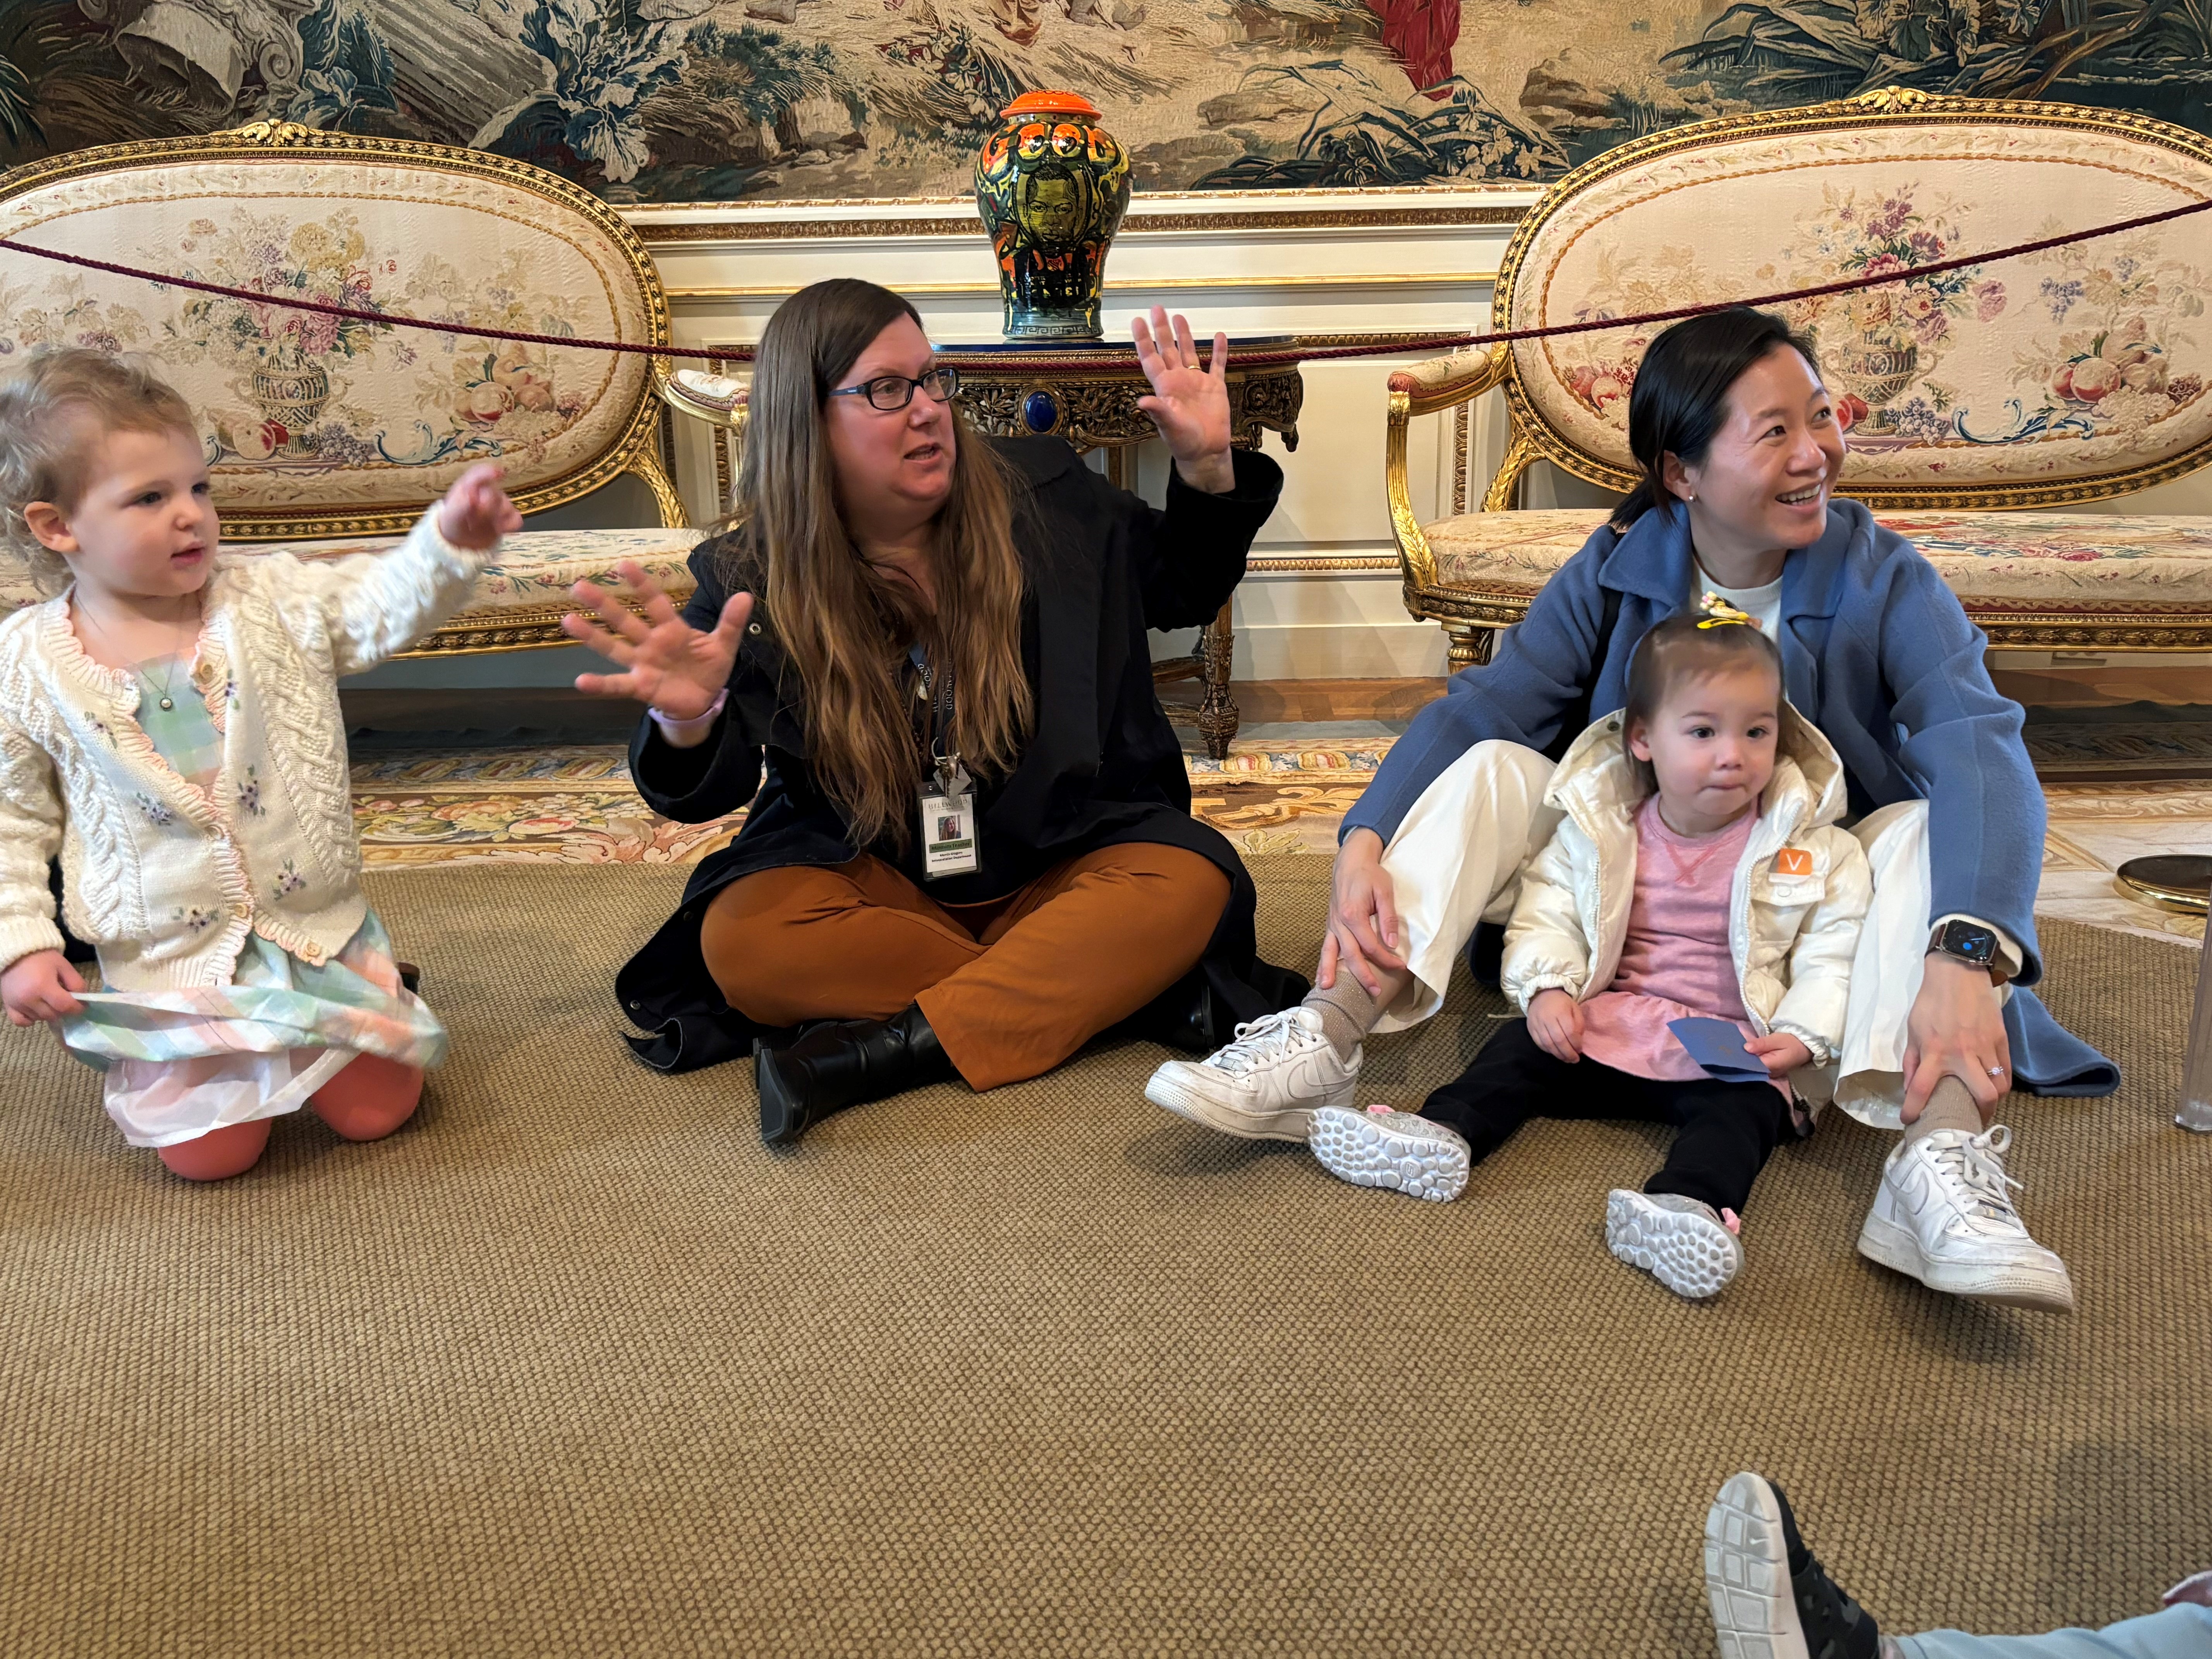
2173, 881
2196, 1112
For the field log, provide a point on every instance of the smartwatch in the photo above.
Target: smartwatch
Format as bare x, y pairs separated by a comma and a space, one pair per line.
1966, 941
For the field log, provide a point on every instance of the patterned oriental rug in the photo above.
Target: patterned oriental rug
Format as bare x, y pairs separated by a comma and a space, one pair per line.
575, 806
572, 1364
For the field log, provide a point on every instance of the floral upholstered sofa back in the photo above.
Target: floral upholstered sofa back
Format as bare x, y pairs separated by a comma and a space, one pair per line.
2071, 374
318, 425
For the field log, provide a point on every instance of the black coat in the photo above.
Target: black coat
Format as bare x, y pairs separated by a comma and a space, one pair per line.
1101, 767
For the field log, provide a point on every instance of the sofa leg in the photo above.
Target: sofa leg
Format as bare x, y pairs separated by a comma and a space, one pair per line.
1468, 646
1219, 716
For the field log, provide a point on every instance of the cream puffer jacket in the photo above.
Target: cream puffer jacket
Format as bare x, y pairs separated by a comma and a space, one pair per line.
1795, 906
166, 879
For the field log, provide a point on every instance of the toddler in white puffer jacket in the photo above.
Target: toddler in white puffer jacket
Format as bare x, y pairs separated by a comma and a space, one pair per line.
1697, 871
170, 729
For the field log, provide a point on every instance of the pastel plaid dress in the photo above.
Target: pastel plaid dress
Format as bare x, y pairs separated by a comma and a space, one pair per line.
182, 1063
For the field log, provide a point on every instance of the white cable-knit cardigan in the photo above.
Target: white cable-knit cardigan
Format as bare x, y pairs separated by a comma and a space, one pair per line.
166, 879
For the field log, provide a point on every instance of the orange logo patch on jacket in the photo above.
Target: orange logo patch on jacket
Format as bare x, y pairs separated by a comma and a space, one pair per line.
1793, 861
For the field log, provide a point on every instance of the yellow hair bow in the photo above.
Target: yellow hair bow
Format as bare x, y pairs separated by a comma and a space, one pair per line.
1719, 613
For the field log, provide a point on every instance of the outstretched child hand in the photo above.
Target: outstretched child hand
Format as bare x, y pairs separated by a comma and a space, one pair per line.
38, 987
476, 512
1555, 1020
1782, 1053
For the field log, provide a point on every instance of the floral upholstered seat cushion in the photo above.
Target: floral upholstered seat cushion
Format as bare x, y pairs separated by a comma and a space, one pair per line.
526, 590
2086, 368
2050, 564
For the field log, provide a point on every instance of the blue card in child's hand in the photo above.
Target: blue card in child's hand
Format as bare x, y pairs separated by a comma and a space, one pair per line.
1717, 1045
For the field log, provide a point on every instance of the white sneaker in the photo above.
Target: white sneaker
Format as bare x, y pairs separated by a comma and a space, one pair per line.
1379, 1148
1942, 1216
1682, 1243
1264, 1084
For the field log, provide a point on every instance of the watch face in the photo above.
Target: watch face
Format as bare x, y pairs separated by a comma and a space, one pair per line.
1963, 938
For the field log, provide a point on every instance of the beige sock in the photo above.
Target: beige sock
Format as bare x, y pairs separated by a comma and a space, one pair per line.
1347, 1013
1951, 1107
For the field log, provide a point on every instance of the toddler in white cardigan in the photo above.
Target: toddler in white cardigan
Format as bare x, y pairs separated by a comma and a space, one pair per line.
169, 728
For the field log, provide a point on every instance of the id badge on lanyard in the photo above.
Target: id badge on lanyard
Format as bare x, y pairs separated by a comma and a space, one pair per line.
948, 822
949, 839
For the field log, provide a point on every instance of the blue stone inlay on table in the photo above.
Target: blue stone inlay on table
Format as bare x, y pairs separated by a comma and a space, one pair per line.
1040, 412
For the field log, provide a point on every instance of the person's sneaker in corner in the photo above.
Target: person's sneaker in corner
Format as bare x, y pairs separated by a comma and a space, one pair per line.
1943, 1216
1395, 1151
1264, 1084
1686, 1245
1770, 1596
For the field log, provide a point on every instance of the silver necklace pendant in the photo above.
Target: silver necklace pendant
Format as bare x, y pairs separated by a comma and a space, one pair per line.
166, 703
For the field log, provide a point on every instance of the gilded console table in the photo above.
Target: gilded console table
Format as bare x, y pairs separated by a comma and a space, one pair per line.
1087, 394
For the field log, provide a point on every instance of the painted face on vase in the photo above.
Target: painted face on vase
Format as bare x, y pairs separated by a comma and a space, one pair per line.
1052, 209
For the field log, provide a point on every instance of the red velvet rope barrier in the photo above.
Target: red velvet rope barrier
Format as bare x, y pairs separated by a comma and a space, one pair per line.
1252, 359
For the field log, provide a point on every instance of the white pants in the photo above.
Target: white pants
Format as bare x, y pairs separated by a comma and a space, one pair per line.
1457, 858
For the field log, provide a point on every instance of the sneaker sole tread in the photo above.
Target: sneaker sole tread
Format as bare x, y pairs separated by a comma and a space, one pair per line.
1351, 1147
1747, 1575
1677, 1249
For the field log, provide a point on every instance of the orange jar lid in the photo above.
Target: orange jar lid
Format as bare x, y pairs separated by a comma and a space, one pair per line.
1050, 103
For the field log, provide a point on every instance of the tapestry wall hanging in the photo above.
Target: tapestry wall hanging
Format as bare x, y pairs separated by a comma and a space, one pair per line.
672, 101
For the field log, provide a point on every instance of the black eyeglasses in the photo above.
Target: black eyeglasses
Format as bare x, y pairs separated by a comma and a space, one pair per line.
894, 391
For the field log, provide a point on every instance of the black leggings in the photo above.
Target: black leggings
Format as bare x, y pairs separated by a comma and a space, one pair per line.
1729, 1130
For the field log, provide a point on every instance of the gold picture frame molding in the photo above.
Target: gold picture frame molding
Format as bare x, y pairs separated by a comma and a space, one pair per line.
1154, 213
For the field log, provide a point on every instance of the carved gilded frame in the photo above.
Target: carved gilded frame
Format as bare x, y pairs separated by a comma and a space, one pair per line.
636, 450
1470, 615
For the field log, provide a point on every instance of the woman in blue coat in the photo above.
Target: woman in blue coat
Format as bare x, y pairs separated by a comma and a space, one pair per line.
1742, 449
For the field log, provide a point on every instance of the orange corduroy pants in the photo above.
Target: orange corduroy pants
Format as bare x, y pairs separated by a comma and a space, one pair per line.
1012, 987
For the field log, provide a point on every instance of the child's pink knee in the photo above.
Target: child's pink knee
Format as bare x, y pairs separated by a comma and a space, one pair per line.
369, 1098
220, 1153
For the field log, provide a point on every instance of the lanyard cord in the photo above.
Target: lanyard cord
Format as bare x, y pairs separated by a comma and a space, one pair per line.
935, 707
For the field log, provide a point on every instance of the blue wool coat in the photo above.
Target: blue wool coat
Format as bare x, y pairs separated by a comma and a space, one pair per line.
1876, 650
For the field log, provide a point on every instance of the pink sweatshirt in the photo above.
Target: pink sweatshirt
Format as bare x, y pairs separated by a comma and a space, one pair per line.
1675, 960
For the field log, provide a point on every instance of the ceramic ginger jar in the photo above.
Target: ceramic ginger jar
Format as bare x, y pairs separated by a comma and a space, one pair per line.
1052, 186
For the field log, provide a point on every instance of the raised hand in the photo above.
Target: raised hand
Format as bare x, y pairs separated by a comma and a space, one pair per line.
667, 663
1189, 405
476, 512
38, 987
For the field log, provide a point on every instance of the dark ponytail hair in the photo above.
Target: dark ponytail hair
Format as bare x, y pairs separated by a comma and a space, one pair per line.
1680, 394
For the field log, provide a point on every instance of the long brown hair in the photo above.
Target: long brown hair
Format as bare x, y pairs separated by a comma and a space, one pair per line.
846, 624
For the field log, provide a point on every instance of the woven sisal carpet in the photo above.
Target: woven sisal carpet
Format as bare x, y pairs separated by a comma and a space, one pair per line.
573, 1365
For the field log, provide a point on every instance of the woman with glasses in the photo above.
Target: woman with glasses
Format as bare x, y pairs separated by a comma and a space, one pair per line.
970, 849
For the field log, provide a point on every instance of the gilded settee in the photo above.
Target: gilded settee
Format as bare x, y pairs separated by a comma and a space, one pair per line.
2073, 375
325, 434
